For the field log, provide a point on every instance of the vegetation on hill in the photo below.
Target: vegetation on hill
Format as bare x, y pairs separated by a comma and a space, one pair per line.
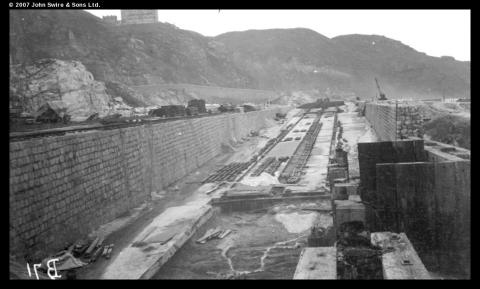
450, 129
274, 59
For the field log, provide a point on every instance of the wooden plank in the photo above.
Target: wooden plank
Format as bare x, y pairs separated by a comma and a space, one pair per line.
92, 246
433, 200
387, 186
419, 151
429, 186
419, 230
317, 263
445, 191
370, 154
401, 182
463, 228
205, 236
402, 262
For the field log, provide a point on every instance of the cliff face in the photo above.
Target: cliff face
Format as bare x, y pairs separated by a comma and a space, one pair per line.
49, 80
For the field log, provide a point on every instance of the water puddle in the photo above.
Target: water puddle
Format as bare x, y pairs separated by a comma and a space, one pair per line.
264, 244
297, 222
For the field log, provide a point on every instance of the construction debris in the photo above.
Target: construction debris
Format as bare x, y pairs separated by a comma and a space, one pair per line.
224, 233
66, 261
107, 253
92, 246
357, 257
213, 234
229, 172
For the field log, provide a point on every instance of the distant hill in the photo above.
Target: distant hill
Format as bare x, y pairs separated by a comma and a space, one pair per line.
295, 58
406, 70
274, 59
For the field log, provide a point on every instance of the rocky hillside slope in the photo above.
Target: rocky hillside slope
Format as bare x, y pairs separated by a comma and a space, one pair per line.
46, 80
133, 54
293, 58
277, 59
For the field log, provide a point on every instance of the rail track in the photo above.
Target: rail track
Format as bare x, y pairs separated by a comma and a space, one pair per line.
24, 135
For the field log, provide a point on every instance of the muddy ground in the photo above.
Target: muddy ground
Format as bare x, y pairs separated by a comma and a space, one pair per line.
264, 244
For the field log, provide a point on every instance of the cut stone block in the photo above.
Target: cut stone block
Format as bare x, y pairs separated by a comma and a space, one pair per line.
317, 263
337, 173
355, 198
401, 263
348, 211
342, 191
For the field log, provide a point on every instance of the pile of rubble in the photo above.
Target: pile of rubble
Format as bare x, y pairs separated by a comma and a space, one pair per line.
357, 258
77, 255
215, 233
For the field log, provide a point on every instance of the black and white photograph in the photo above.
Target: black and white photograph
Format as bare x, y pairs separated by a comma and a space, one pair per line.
323, 144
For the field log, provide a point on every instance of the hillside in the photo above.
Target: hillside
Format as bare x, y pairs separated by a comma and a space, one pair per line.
296, 58
286, 60
133, 55
407, 71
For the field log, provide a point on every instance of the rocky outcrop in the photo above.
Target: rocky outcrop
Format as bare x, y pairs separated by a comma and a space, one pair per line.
128, 95
31, 86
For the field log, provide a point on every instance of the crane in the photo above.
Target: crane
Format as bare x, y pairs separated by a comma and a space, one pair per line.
382, 95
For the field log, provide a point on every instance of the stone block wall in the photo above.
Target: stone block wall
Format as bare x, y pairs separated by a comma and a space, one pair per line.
63, 187
394, 121
409, 121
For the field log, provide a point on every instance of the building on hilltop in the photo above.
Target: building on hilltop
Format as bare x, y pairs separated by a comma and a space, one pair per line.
111, 19
139, 16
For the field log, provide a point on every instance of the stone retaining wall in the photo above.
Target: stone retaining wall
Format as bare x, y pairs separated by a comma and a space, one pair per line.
64, 187
394, 121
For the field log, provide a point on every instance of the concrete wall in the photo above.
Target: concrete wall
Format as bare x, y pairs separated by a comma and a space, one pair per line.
64, 187
430, 202
394, 121
441, 152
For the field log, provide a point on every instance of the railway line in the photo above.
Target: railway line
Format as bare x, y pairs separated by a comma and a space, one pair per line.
122, 123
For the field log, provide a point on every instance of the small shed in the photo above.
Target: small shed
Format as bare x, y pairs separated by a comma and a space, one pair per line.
52, 111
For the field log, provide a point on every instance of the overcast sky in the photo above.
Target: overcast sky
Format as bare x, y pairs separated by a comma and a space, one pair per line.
435, 32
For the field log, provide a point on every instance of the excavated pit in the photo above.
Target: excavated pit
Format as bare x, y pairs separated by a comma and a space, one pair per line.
264, 243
